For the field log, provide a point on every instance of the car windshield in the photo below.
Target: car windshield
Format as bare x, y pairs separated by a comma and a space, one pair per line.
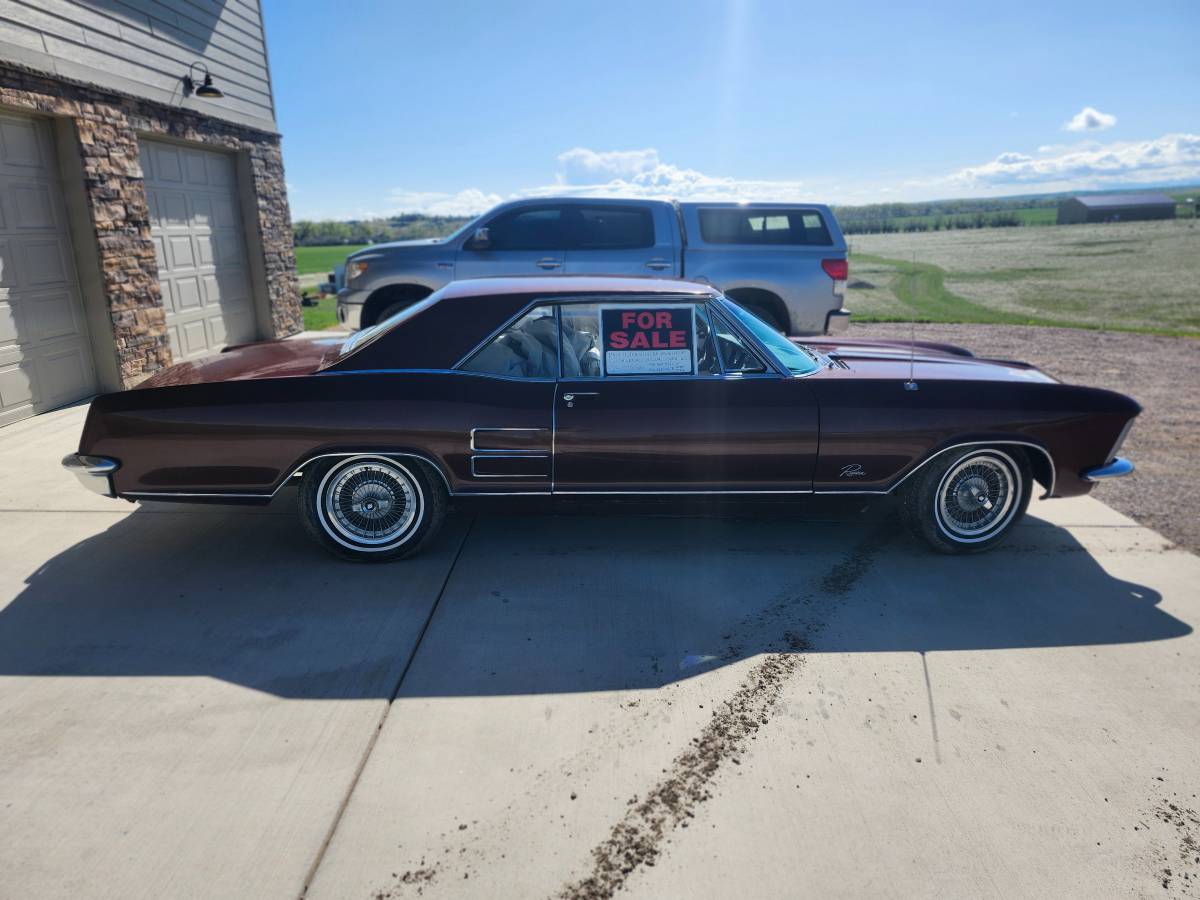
787, 354
360, 339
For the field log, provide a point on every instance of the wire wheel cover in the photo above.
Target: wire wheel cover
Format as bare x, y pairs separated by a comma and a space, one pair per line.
977, 496
370, 502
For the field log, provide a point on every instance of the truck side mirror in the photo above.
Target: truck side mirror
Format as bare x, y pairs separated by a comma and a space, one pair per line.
480, 240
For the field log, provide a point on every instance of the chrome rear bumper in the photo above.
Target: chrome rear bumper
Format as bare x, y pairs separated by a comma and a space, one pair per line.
1115, 469
93, 472
837, 322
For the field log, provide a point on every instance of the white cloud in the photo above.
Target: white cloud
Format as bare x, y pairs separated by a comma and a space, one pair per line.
1172, 157
466, 202
581, 165
1090, 119
643, 174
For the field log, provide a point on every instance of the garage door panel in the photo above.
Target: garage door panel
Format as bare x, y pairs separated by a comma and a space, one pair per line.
181, 255
202, 248
220, 171
45, 358
22, 144
32, 206
167, 167
194, 168
8, 263
16, 391
51, 316
194, 336
45, 263
224, 213
202, 212
9, 332
187, 294
62, 375
160, 251
172, 210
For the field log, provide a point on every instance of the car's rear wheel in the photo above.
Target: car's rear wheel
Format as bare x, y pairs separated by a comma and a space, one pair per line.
371, 508
968, 501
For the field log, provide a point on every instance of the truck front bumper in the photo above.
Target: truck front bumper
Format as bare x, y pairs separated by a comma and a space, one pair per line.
349, 308
93, 472
838, 321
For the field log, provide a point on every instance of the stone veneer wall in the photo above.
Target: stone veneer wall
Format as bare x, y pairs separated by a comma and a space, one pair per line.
107, 127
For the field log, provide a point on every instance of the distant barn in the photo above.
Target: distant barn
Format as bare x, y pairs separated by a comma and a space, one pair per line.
1115, 208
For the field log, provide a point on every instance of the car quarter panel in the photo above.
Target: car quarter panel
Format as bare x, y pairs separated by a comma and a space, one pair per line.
874, 432
245, 438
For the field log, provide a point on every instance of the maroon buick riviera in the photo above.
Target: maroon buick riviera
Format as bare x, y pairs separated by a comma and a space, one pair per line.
598, 385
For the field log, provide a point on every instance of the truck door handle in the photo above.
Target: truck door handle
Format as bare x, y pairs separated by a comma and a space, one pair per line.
658, 264
549, 262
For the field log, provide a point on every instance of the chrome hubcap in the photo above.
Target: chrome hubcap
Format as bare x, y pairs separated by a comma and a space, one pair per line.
977, 496
370, 502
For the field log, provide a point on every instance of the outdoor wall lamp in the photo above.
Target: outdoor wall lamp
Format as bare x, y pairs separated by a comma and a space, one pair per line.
206, 89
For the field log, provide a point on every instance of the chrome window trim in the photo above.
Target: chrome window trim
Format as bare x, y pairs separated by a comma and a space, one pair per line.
662, 493
292, 474
762, 348
558, 301
475, 449
767, 359
508, 455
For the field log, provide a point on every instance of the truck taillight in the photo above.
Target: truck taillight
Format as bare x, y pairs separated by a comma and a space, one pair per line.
837, 269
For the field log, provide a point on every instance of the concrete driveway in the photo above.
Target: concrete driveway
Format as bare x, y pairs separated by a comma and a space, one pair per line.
195, 702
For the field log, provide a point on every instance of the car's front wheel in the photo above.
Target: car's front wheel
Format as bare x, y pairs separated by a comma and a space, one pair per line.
371, 508
968, 501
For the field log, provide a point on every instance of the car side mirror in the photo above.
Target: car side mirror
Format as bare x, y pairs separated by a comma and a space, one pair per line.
480, 240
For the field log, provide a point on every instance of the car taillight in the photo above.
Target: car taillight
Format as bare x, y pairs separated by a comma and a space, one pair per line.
837, 269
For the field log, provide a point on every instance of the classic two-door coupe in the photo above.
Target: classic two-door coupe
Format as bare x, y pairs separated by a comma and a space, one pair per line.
597, 385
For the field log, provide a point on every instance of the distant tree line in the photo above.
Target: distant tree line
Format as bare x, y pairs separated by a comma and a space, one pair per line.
880, 218
877, 218
373, 231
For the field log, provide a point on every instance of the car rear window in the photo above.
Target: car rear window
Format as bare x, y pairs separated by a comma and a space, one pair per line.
614, 228
803, 227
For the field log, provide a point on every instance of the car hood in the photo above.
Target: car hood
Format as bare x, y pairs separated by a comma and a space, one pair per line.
893, 359
269, 359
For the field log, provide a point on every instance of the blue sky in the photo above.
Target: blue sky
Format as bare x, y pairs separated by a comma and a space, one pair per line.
450, 107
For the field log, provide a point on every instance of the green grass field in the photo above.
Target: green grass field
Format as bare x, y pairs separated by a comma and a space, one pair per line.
1128, 276
314, 260
320, 316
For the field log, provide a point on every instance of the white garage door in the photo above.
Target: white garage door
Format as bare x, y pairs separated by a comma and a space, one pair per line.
201, 247
45, 358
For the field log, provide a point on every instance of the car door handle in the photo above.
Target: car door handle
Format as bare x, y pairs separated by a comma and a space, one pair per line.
658, 264
549, 262
570, 398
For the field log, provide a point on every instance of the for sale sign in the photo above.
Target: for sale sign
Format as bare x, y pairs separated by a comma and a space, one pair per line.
649, 340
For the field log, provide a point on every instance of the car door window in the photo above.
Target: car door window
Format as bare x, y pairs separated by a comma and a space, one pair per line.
526, 349
582, 340
529, 228
736, 357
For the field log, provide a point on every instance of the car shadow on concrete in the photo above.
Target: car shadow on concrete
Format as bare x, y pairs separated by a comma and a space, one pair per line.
528, 602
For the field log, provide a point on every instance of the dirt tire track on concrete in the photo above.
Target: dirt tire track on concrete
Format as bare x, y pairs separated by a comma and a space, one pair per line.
636, 840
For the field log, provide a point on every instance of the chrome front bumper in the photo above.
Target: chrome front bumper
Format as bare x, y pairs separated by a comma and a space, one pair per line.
93, 472
349, 308
1115, 469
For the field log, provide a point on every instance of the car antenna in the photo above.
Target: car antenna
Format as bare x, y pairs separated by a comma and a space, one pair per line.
911, 384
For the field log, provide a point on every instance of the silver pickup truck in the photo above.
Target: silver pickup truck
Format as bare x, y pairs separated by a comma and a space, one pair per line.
785, 261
